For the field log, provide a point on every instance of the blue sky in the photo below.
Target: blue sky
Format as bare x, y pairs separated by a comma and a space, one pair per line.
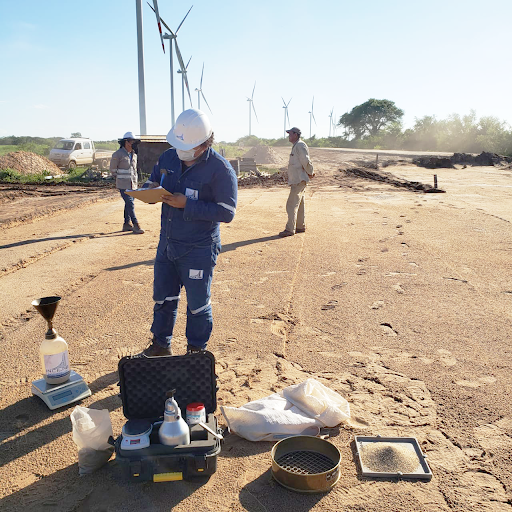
72, 66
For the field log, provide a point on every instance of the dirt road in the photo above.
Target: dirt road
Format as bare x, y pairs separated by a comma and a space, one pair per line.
400, 301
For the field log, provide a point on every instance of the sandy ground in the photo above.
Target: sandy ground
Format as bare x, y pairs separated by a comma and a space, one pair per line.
400, 301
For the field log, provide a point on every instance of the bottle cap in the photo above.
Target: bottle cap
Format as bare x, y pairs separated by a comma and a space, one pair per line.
195, 406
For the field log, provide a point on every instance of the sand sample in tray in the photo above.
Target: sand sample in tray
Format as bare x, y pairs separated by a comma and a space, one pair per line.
389, 458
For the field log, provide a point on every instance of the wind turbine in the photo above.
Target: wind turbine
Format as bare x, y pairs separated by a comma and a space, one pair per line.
172, 36
311, 116
286, 114
251, 107
330, 121
183, 76
200, 93
334, 125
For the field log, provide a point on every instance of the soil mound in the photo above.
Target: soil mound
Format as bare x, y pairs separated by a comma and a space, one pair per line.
264, 155
28, 163
483, 159
269, 180
392, 180
433, 162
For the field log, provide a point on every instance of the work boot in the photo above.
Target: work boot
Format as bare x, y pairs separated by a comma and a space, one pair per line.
137, 229
192, 349
127, 227
156, 350
300, 230
286, 233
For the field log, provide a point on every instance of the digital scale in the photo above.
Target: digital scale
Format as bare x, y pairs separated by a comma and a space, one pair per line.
59, 395
136, 434
75, 388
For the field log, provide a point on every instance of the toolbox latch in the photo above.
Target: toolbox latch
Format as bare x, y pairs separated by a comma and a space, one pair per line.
135, 468
201, 464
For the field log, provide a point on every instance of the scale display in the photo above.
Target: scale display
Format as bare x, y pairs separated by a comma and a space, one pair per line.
59, 395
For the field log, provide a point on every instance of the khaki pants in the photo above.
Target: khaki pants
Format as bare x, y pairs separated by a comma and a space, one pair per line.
295, 207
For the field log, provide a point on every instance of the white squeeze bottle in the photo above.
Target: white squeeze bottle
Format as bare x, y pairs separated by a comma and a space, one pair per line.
54, 349
54, 358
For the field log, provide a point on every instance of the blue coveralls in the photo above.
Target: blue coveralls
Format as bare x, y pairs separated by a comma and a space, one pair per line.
190, 241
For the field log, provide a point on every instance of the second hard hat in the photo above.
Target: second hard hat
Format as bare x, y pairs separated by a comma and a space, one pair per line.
129, 136
192, 128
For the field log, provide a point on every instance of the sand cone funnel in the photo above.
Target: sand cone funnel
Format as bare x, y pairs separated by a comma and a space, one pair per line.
47, 306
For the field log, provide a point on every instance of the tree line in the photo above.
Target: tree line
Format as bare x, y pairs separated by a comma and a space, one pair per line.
377, 124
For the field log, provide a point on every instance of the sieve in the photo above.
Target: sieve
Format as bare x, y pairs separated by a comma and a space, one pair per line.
306, 464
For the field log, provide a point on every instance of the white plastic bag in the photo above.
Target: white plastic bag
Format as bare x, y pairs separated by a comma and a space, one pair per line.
319, 402
301, 409
269, 419
91, 431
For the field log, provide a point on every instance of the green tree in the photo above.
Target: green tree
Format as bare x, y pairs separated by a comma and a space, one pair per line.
249, 140
75, 135
367, 119
424, 135
493, 135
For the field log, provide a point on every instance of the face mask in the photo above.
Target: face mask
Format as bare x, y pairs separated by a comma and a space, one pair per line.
186, 156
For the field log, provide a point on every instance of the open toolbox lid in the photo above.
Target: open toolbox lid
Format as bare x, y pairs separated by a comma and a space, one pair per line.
144, 382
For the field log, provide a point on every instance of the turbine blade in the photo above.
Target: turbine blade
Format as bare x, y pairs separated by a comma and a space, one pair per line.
206, 102
284, 102
201, 82
289, 102
155, 3
183, 20
253, 90
163, 22
252, 103
188, 62
287, 116
313, 116
188, 88
180, 58
183, 68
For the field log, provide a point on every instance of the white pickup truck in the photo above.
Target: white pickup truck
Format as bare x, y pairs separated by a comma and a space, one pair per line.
71, 152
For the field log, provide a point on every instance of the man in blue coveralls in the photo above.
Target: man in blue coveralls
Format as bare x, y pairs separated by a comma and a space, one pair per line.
201, 192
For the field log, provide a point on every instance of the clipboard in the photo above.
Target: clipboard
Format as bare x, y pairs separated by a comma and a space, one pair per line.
148, 195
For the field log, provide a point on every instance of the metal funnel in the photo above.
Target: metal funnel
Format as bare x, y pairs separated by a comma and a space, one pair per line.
47, 306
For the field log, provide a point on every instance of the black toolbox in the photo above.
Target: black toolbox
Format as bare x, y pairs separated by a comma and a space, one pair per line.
144, 382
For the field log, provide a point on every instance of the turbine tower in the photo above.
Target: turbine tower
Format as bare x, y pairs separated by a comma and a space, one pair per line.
172, 36
200, 93
251, 107
140, 61
285, 114
311, 116
330, 121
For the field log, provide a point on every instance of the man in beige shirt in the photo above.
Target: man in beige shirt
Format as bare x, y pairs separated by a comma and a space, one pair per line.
300, 171
123, 167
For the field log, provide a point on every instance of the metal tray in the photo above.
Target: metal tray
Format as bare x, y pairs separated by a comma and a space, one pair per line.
421, 472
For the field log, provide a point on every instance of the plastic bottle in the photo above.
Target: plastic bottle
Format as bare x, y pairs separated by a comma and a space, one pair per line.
54, 358
196, 413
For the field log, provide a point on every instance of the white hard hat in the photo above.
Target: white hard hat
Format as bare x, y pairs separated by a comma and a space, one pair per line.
129, 136
192, 128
